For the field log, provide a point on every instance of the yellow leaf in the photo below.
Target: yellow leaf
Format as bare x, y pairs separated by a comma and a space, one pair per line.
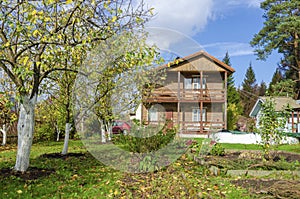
114, 19
116, 192
151, 11
7, 44
69, 1
25, 60
33, 12
35, 33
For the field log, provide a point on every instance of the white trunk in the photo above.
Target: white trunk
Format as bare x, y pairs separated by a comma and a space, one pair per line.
103, 136
4, 132
58, 132
67, 135
25, 132
109, 130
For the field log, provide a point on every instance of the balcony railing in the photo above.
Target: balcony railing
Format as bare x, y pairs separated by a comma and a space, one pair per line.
187, 127
164, 95
195, 127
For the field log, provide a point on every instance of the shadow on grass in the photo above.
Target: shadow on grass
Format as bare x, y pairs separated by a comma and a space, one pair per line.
51, 163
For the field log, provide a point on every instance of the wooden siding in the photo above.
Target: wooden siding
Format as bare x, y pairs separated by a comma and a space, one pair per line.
201, 64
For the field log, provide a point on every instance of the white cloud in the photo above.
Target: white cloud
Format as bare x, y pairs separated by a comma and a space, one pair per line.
233, 48
188, 17
249, 3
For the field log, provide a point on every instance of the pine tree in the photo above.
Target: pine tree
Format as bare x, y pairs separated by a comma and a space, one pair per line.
277, 77
233, 99
262, 89
249, 91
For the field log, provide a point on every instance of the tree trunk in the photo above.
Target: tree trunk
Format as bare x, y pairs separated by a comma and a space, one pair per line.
67, 135
25, 132
4, 132
57, 132
103, 135
108, 126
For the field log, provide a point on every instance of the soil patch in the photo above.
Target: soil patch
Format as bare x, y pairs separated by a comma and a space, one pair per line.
270, 188
240, 160
32, 173
61, 156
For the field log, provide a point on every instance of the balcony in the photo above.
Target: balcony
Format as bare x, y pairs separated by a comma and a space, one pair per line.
195, 95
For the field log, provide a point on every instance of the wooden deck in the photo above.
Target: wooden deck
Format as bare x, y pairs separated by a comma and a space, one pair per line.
204, 95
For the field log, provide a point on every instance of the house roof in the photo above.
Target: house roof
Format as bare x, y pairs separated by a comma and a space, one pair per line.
196, 55
280, 102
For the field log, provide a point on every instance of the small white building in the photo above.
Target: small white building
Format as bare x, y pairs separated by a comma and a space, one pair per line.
293, 124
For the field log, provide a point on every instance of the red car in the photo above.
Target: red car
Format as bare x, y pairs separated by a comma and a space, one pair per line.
120, 127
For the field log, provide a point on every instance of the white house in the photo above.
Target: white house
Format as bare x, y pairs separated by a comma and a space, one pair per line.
293, 124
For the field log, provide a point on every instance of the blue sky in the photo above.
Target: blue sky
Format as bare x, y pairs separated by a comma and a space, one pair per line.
216, 26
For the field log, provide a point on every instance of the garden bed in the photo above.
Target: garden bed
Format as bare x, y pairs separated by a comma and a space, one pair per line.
253, 160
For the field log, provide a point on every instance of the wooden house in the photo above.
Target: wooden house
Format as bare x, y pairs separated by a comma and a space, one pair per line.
192, 98
293, 123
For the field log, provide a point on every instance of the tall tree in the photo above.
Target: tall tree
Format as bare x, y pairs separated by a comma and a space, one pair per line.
284, 88
277, 77
233, 99
280, 32
249, 91
262, 89
35, 36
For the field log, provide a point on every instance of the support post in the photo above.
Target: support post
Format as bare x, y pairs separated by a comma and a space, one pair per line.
225, 99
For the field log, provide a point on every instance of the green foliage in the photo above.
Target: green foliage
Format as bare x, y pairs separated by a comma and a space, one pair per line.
277, 77
234, 107
284, 88
280, 32
44, 132
262, 89
271, 125
144, 144
233, 112
80, 175
248, 91
218, 150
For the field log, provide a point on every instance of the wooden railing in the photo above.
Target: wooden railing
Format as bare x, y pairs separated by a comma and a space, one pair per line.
164, 95
187, 127
197, 127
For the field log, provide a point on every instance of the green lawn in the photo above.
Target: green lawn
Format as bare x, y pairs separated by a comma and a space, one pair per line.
291, 148
85, 177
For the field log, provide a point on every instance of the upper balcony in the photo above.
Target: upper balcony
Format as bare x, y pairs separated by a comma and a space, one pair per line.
188, 95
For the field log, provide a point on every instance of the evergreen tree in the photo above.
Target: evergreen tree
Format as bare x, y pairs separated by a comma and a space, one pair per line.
277, 77
280, 32
233, 99
262, 89
249, 91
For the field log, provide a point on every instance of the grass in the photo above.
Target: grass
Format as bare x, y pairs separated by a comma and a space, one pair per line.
85, 177
291, 148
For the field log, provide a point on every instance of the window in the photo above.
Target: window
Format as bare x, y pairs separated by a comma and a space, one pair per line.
188, 83
196, 115
153, 115
194, 83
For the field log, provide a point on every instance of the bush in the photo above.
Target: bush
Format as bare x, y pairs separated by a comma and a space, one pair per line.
139, 142
217, 150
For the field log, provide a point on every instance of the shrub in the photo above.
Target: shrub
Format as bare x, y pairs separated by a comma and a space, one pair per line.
141, 141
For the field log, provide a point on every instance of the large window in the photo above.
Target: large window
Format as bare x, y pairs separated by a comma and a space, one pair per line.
194, 83
196, 115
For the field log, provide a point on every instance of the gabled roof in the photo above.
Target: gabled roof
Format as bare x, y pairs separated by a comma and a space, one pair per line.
194, 56
280, 102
